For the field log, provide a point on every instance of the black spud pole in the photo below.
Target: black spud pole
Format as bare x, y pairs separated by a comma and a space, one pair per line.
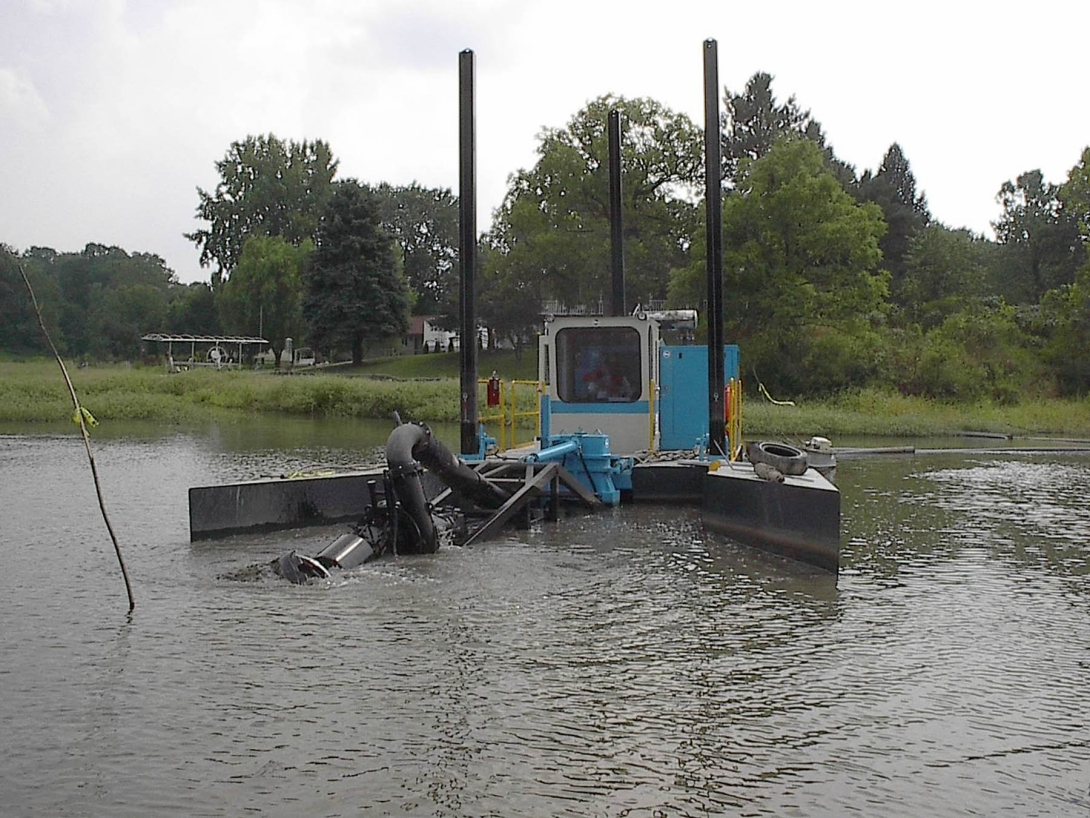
713, 198
467, 250
616, 215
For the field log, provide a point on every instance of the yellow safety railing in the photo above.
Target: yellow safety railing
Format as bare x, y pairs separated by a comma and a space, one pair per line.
515, 414
733, 418
508, 416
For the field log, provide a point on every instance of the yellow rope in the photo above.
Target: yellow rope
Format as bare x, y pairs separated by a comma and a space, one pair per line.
763, 391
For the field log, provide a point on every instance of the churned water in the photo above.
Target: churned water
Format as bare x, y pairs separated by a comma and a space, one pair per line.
619, 664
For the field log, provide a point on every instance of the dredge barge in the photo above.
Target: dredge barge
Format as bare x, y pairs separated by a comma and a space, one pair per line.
624, 416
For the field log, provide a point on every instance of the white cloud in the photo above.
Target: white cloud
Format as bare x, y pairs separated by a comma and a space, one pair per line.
20, 102
114, 112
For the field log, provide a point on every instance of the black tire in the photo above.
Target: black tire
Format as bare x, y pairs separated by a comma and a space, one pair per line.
783, 458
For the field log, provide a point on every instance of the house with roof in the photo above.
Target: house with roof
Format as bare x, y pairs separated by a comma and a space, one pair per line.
422, 332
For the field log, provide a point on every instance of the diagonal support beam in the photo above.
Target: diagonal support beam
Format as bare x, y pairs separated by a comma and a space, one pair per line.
519, 499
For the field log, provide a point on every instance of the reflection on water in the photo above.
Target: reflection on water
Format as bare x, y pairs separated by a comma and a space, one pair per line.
620, 664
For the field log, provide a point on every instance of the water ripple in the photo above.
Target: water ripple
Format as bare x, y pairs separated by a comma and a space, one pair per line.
625, 663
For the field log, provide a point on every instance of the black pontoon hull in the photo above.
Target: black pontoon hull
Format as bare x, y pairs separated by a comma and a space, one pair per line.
798, 518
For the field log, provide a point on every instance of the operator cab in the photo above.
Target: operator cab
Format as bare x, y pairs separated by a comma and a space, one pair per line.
599, 375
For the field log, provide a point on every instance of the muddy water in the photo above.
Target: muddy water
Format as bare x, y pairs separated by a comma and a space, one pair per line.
621, 664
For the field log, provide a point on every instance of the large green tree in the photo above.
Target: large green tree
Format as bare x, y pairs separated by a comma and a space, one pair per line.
1067, 309
267, 187
123, 315
264, 295
113, 298
553, 228
1040, 239
943, 271
19, 330
102, 298
424, 223
192, 310
509, 305
354, 292
802, 283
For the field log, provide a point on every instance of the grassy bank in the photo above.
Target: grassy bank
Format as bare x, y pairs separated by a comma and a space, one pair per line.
446, 364
880, 414
34, 392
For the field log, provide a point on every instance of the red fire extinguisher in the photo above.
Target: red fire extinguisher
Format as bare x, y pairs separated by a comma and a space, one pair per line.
493, 390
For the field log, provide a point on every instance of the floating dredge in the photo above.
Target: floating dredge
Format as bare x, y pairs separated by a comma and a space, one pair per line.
628, 411
766, 494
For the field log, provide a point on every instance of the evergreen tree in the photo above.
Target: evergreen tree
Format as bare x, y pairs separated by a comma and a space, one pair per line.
353, 290
893, 188
754, 121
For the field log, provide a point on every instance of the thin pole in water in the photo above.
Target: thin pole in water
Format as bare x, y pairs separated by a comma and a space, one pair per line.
86, 437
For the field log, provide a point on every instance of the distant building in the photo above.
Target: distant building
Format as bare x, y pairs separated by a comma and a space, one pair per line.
422, 331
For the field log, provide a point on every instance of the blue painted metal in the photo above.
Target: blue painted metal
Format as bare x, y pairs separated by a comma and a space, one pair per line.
683, 394
554, 452
588, 458
486, 445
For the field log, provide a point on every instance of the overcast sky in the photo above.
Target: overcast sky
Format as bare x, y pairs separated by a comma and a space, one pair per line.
112, 113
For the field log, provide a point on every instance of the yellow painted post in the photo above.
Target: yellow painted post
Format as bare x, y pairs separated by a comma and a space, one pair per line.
508, 390
734, 418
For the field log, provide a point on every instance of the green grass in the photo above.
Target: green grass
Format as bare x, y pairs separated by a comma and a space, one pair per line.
446, 365
426, 387
877, 413
35, 392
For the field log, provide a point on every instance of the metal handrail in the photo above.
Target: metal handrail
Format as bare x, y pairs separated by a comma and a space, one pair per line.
507, 415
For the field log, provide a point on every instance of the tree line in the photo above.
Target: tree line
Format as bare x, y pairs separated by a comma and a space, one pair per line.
832, 279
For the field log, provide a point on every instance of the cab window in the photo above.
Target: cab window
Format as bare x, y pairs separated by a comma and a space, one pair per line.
598, 364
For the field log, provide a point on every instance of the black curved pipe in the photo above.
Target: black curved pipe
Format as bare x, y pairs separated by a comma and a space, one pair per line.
405, 478
412, 442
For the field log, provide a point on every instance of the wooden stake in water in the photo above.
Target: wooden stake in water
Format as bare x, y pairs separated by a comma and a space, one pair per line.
80, 416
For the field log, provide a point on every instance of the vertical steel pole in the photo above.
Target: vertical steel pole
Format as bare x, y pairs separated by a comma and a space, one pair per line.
713, 198
467, 253
616, 215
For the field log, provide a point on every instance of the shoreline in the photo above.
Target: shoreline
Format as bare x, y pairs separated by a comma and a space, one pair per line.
33, 394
